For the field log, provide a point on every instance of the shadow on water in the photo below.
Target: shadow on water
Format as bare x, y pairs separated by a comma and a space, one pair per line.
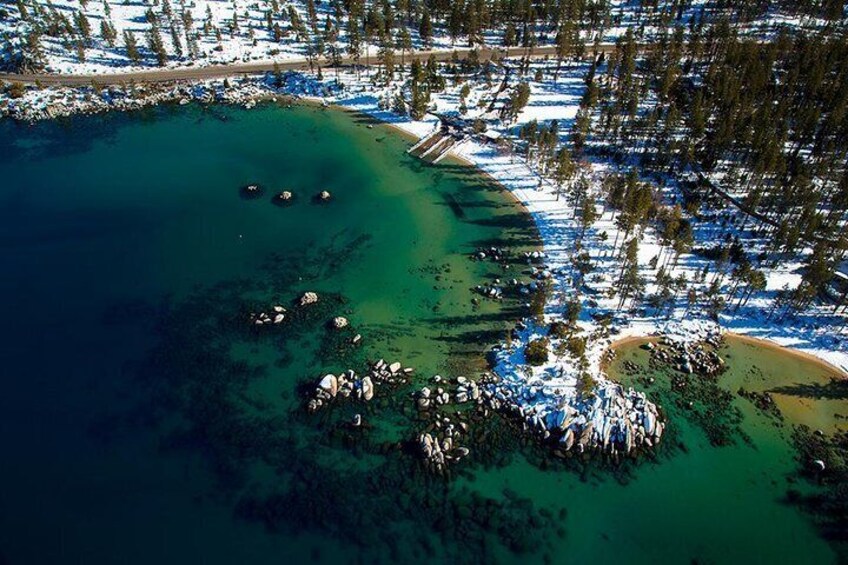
453, 204
835, 389
66, 136
504, 221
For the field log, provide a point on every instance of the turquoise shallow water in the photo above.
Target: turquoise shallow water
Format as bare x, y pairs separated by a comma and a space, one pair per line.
145, 420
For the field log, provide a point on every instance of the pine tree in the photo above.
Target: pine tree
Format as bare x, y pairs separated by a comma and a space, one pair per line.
278, 75
630, 283
404, 43
83, 26
564, 169
108, 32
131, 46
425, 30
387, 60
23, 13
175, 41
509, 37
588, 215
154, 42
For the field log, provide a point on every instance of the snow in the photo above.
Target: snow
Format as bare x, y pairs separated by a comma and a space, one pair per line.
254, 41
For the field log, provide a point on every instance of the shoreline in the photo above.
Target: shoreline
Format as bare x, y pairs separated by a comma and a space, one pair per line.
757, 341
491, 178
801, 354
541, 408
414, 137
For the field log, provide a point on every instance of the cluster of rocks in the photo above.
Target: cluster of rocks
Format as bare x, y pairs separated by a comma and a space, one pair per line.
48, 103
495, 254
699, 358
348, 384
275, 316
466, 390
495, 289
330, 386
566, 409
542, 273
308, 298
490, 290
40, 103
439, 446
532, 256
612, 420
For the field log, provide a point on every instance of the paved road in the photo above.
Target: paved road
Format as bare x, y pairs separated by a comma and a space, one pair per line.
237, 69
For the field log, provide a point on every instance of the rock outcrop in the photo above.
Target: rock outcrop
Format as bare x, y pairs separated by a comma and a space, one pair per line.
308, 298
332, 387
275, 316
439, 448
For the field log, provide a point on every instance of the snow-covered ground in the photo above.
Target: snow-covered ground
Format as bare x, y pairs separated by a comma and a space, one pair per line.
210, 32
813, 332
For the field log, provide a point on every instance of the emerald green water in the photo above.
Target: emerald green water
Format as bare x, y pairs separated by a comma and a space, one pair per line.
144, 419
723, 504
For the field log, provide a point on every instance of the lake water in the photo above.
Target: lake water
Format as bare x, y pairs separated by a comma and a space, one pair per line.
142, 414
145, 419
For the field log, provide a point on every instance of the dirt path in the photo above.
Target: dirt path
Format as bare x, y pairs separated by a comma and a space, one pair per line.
237, 69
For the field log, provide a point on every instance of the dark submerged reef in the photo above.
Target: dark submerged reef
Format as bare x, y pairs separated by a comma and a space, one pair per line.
823, 464
696, 396
359, 484
822, 458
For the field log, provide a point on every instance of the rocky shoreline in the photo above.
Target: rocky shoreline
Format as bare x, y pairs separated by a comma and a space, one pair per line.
611, 419
39, 104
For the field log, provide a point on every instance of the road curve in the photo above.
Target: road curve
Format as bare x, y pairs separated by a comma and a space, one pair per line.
240, 69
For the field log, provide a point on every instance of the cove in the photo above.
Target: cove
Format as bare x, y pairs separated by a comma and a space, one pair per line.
143, 419
696, 502
729, 503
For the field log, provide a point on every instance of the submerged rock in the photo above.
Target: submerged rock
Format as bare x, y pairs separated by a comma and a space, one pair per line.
308, 298
251, 191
